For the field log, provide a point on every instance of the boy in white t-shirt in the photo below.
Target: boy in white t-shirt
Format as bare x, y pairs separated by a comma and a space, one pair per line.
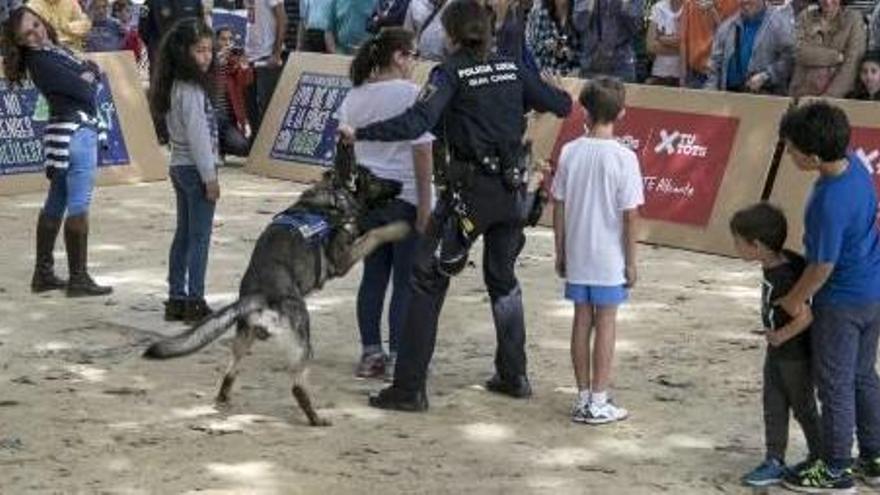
597, 189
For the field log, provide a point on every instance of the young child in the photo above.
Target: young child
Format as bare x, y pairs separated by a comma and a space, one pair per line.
842, 248
759, 233
868, 83
596, 190
180, 93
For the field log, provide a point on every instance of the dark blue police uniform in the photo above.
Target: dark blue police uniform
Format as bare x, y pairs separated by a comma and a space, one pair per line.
478, 106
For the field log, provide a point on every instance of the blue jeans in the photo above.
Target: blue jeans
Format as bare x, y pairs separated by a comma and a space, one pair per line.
188, 260
394, 257
71, 189
844, 341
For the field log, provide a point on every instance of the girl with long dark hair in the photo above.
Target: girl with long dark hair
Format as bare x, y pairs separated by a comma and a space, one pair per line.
181, 94
70, 85
380, 73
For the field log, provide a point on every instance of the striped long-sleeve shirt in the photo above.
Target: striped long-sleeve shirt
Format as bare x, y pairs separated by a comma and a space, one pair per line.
70, 86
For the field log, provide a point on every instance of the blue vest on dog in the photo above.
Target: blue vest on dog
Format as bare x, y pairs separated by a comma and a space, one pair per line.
313, 227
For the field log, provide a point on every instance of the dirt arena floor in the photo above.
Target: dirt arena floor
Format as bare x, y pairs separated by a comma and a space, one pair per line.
81, 412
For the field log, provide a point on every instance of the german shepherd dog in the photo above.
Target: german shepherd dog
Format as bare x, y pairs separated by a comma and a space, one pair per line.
287, 264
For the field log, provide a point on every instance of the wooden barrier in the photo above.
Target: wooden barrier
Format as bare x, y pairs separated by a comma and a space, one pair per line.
792, 186
133, 156
703, 155
295, 141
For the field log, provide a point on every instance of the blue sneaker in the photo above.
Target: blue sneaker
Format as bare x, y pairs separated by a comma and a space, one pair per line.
770, 472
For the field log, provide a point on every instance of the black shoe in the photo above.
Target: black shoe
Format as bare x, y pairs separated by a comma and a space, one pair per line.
175, 309
44, 281
195, 311
868, 470
395, 399
517, 388
82, 285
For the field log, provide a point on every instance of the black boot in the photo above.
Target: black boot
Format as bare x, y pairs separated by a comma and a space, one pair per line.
76, 238
396, 399
195, 310
517, 387
44, 278
175, 309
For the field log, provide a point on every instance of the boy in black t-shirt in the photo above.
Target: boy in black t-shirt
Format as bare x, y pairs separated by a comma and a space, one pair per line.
759, 233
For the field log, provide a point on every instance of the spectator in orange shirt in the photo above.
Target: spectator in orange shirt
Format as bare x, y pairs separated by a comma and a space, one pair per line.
699, 20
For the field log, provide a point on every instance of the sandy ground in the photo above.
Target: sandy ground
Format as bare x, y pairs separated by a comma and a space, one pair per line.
81, 412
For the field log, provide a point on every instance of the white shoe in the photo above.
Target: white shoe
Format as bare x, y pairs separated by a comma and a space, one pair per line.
579, 412
598, 414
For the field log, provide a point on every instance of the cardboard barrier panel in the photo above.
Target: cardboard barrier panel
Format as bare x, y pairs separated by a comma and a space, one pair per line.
703, 155
792, 186
297, 138
294, 139
132, 154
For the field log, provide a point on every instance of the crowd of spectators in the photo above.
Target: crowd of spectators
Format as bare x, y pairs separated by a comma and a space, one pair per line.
781, 47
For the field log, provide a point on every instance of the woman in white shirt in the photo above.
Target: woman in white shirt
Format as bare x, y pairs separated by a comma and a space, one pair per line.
380, 75
663, 42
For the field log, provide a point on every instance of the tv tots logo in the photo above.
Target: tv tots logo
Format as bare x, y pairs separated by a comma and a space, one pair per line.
680, 143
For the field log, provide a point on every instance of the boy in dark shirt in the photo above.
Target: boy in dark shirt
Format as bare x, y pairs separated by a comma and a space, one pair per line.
759, 233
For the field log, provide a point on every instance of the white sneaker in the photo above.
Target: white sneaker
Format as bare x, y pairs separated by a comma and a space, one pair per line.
579, 413
598, 414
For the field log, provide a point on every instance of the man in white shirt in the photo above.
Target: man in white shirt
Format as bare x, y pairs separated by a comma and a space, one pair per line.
264, 49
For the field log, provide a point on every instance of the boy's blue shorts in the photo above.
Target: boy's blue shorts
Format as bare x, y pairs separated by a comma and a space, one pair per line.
599, 295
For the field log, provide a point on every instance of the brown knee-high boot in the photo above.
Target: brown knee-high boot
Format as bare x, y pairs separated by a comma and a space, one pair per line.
44, 278
76, 238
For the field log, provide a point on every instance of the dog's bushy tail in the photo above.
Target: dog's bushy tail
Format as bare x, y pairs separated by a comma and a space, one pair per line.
207, 331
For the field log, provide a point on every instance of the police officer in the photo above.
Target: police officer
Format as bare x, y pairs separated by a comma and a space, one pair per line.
477, 101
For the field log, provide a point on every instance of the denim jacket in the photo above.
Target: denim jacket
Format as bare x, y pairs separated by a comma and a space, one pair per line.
608, 30
772, 53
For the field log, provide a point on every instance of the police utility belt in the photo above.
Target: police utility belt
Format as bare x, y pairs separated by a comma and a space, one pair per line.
511, 170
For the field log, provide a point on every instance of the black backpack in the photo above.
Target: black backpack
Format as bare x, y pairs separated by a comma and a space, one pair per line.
387, 13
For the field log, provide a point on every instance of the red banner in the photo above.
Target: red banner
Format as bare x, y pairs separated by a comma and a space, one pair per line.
683, 158
865, 142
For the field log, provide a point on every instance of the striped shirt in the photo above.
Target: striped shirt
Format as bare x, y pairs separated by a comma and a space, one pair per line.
57, 136
73, 99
